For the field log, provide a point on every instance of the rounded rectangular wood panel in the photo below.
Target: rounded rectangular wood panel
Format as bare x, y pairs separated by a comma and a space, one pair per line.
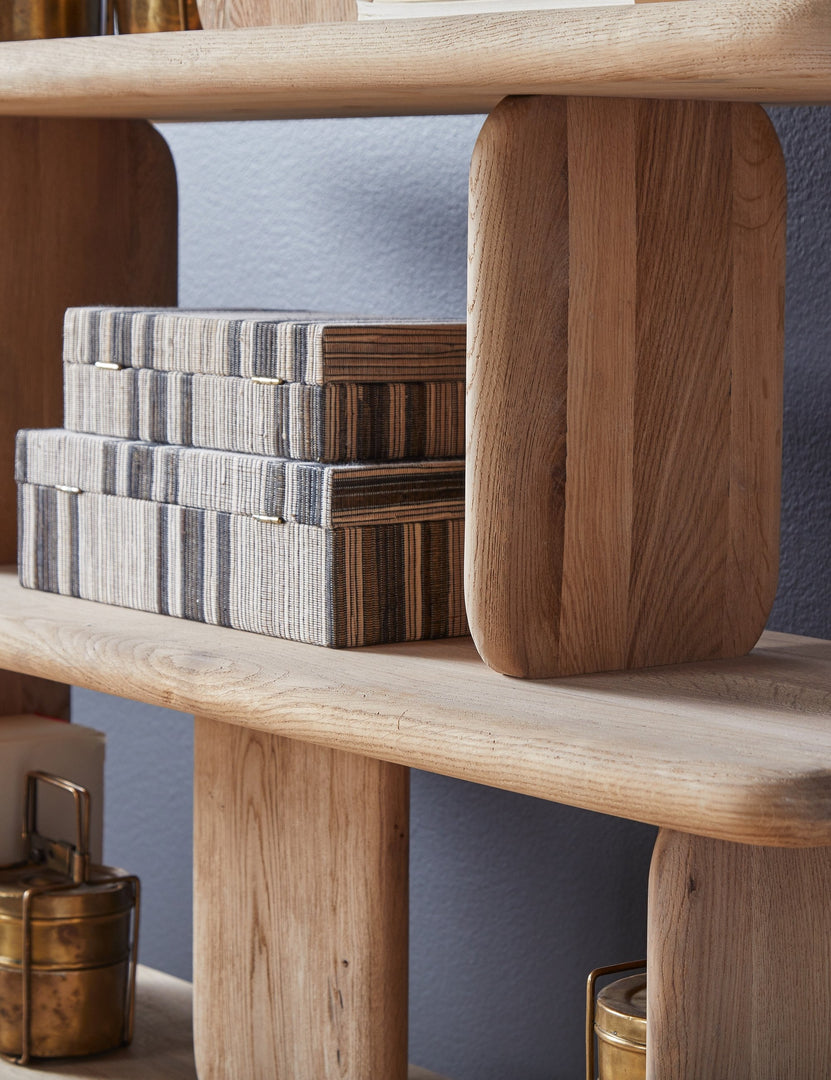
88, 214
626, 298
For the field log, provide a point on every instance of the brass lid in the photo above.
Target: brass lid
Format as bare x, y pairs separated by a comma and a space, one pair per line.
100, 895
621, 1011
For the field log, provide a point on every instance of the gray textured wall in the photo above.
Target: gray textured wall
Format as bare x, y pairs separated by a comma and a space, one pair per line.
513, 900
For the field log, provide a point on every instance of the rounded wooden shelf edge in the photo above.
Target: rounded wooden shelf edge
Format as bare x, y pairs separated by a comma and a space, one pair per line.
734, 749
752, 50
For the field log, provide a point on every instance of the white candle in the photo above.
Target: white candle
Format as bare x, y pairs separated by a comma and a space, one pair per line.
71, 751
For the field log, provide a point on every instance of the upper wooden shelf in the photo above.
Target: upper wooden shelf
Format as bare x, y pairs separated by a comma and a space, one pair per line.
736, 749
754, 50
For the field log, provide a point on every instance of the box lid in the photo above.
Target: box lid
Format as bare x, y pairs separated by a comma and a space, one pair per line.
282, 346
309, 493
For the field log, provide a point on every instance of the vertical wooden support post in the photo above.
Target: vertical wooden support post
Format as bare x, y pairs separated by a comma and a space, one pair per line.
300, 908
88, 215
626, 295
739, 961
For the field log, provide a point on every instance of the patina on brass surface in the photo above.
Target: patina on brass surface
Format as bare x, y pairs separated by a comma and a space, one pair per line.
68, 943
21, 20
617, 1018
149, 16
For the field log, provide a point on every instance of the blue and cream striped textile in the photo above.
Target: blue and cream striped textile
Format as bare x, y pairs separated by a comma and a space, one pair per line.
295, 347
343, 421
240, 541
288, 384
304, 492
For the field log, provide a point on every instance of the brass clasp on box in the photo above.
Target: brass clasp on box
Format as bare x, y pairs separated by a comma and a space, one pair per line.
617, 1018
68, 943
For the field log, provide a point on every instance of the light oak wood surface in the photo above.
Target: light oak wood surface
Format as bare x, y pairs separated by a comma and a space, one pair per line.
87, 215
739, 961
300, 909
231, 14
625, 345
737, 749
756, 50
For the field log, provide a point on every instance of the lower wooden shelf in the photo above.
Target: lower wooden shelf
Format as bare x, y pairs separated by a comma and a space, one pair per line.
734, 749
162, 1048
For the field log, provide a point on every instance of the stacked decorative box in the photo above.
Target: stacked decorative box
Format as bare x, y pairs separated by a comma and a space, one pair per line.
287, 473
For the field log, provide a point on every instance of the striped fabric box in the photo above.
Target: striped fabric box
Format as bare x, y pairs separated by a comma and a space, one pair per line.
295, 385
326, 554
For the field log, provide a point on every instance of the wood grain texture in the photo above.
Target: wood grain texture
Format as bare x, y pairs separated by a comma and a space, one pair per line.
753, 50
29, 694
626, 300
739, 960
737, 749
232, 14
87, 214
300, 909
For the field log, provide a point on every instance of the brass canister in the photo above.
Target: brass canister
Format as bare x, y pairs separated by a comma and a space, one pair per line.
616, 1018
153, 16
21, 20
68, 944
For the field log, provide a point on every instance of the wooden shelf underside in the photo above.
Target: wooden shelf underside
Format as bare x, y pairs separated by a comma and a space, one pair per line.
736, 749
755, 50
162, 1048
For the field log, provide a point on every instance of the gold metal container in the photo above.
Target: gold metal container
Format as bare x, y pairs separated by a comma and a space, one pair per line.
616, 1018
21, 20
152, 16
68, 943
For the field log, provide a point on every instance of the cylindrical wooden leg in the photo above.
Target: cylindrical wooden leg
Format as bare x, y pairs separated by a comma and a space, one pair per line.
300, 909
739, 958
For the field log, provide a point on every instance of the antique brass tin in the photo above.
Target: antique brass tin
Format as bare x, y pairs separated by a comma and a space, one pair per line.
68, 942
150, 16
616, 1018
24, 19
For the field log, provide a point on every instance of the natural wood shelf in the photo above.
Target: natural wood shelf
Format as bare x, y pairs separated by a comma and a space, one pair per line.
755, 50
163, 1045
735, 749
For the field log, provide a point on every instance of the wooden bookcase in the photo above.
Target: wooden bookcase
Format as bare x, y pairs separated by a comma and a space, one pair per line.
301, 753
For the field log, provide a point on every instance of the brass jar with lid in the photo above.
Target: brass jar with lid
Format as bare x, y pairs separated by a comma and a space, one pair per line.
21, 20
154, 16
68, 943
24, 20
616, 1019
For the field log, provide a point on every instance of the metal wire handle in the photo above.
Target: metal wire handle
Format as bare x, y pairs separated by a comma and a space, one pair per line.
73, 859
